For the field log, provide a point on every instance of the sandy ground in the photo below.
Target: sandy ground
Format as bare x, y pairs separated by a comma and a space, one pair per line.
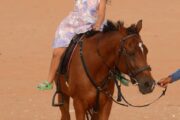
26, 32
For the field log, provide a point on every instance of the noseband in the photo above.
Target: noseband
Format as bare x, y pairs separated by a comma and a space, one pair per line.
123, 52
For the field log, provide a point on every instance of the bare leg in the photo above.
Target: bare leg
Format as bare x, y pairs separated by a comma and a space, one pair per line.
57, 53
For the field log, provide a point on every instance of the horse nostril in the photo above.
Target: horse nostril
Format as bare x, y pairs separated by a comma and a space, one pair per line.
147, 84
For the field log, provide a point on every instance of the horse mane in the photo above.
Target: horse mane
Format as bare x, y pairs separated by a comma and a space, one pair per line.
115, 26
112, 26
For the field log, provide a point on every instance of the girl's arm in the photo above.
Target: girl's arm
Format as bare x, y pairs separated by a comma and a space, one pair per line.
101, 15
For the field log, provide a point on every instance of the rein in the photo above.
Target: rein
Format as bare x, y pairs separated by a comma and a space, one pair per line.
99, 88
112, 73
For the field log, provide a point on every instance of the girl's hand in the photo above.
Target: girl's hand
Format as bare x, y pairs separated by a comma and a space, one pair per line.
96, 27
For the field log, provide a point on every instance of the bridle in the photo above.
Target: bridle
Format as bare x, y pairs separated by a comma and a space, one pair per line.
123, 52
132, 74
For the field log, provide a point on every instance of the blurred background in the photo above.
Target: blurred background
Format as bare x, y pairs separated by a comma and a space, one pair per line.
27, 29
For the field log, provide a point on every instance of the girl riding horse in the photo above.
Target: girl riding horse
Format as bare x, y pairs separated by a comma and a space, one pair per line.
87, 15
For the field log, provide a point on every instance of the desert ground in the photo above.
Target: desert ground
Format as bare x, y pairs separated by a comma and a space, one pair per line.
27, 30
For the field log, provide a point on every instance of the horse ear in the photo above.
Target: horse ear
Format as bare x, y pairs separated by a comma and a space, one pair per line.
121, 27
139, 26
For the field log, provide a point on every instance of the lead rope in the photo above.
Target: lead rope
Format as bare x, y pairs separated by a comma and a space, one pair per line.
121, 96
145, 105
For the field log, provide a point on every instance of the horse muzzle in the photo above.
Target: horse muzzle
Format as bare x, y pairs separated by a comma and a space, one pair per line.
146, 86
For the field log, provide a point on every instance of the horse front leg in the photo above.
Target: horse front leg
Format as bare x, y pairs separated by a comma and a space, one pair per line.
80, 110
105, 110
65, 115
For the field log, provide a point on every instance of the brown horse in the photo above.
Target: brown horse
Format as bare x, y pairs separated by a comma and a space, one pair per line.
116, 46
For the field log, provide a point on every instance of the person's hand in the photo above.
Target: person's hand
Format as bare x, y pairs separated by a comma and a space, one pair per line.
96, 27
165, 81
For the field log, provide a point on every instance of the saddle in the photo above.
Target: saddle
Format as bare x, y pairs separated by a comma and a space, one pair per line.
66, 57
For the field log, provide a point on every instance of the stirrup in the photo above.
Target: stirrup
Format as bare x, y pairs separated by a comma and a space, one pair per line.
59, 104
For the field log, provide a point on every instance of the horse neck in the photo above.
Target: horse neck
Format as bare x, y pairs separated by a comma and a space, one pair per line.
107, 47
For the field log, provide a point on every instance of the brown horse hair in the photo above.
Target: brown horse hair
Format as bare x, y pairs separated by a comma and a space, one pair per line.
115, 26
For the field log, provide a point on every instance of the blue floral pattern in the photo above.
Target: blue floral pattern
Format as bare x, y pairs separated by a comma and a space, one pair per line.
80, 20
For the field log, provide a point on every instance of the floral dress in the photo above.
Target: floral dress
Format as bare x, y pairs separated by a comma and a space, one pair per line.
80, 20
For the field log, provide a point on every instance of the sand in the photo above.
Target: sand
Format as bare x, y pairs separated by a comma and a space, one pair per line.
26, 32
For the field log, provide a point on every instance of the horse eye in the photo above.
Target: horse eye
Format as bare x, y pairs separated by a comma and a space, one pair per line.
132, 54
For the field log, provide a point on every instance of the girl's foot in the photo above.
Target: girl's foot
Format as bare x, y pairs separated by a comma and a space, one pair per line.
45, 86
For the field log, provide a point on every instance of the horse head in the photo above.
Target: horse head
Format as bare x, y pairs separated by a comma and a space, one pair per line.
132, 58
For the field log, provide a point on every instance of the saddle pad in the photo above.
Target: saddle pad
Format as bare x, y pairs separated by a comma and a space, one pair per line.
66, 57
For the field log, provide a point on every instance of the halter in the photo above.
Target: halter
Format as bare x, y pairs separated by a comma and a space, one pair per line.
123, 52
132, 74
